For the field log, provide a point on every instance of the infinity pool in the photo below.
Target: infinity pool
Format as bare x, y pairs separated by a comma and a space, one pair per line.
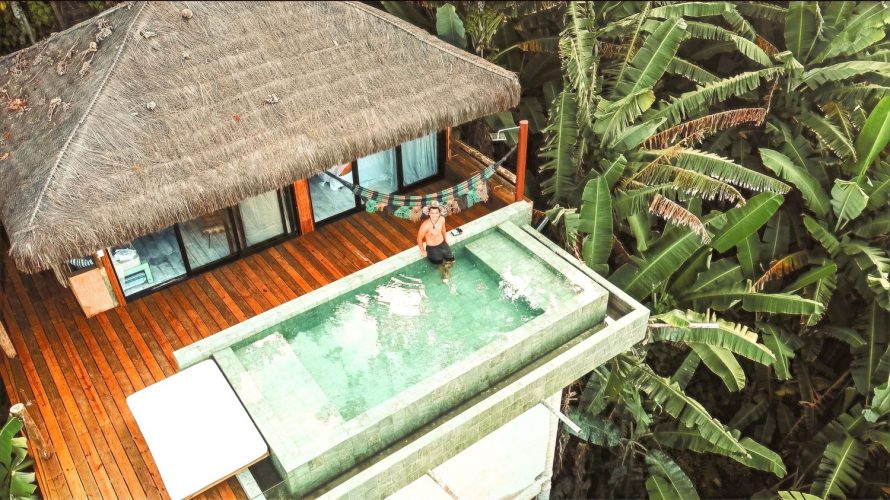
343, 372
390, 334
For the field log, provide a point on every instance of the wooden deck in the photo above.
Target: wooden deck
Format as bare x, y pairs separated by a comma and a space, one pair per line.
78, 372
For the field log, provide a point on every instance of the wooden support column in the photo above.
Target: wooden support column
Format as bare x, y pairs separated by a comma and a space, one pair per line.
448, 143
6, 342
304, 206
112, 277
521, 153
32, 432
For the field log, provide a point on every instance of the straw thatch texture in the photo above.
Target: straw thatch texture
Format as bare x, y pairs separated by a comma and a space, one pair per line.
140, 118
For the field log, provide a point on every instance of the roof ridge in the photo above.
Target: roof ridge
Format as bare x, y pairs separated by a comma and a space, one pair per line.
440, 44
83, 119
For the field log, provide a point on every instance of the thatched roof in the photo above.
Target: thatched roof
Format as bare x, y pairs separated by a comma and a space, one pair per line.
244, 98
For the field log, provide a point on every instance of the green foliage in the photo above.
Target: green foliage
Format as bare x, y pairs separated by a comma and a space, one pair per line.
449, 26
728, 163
15, 482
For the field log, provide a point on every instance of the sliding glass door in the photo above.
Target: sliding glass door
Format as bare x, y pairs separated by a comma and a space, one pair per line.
330, 197
262, 218
209, 238
379, 171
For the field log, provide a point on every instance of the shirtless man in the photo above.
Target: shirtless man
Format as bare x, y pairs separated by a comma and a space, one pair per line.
432, 240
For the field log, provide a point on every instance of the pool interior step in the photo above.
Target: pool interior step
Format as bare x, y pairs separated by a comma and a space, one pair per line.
278, 378
533, 278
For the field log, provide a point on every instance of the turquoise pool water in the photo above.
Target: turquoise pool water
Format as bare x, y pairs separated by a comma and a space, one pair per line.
392, 333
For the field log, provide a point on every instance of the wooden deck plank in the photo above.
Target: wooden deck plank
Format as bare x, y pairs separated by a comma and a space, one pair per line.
78, 372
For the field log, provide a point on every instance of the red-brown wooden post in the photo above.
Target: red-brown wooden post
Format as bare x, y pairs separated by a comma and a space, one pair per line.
448, 143
521, 152
304, 206
112, 278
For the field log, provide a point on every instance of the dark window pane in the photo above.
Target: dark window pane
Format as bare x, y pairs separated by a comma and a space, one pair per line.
148, 261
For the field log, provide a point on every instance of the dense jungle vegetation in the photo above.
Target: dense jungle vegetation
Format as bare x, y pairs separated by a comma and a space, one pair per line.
725, 163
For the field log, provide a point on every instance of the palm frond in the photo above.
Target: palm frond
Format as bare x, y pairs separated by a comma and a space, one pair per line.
816, 77
828, 134
558, 154
840, 468
693, 131
828, 241
802, 28
726, 170
650, 62
815, 197
707, 329
674, 213
764, 11
666, 479
749, 49
687, 410
690, 71
697, 101
783, 267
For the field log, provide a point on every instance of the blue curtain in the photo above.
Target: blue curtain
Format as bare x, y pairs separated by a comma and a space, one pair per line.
420, 158
378, 171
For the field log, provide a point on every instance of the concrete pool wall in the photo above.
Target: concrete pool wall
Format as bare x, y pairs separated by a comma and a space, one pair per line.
308, 465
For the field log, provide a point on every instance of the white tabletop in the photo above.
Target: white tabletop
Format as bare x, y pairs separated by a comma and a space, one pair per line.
196, 428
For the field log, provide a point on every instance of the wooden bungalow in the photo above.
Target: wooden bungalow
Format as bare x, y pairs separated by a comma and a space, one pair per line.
162, 172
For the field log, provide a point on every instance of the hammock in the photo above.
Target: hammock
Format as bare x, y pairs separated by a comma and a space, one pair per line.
452, 200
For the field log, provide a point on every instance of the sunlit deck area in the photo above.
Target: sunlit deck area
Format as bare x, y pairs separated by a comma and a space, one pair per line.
78, 371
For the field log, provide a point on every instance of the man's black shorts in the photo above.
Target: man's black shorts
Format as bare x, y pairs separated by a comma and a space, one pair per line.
439, 253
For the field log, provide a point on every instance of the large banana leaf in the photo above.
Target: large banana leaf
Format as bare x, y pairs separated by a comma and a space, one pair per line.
748, 253
863, 29
576, 47
449, 26
650, 62
726, 170
683, 374
722, 272
813, 194
802, 28
828, 134
774, 339
742, 221
666, 479
776, 237
828, 241
687, 410
747, 48
840, 468
876, 226
873, 137
723, 364
596, 222
559, 151
848, 201
658, 264
775, 303
756, 455
696, 102
611, 118
876, 333
750, 412
711, 331
690, 71
691, 9
878, 189
843, 71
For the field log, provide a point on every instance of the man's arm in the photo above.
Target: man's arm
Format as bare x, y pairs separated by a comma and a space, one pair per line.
421, 235
444, 234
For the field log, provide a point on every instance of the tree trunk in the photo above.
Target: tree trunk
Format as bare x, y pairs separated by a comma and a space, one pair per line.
22, 19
